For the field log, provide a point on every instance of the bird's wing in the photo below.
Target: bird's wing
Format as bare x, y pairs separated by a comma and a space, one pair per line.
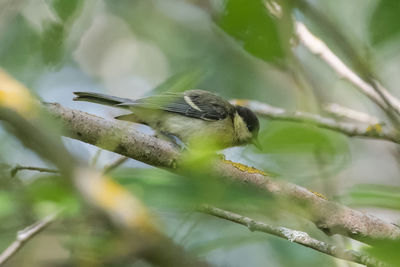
195, 103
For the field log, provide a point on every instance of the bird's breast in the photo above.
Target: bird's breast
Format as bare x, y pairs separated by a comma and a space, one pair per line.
191, 130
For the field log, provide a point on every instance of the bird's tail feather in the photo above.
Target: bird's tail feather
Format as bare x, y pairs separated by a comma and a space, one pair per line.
101, 99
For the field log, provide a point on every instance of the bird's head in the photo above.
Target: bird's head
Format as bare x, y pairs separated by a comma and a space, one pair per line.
247, 126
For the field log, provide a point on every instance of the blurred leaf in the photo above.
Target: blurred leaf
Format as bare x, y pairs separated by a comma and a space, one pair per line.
251, 25
7, 204
287, 137
385, 23
19, 49
50, 193
387, 251
48, 189
182, 81
228, 242
15, 96
373, 196
66, 8
53, 43
297, 146
4, 167
161, 189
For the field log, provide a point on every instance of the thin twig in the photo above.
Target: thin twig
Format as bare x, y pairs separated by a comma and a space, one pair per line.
18, 168
96, 157
115, 164
351, 114
24, 236
375, 91
295, 236
374, 131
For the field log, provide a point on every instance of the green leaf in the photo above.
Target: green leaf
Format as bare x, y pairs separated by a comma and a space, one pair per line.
20, 49
50, 193
288, 137
161, 189
373, 196
386, 250
251, 25
300, 149
385, 23
7, 204
53, 43
66, 8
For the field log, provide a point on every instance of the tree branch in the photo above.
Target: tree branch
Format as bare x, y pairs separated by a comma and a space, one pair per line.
24, 236
347, 128
351, 114
376, 92
18, 168
328, 216
298, 237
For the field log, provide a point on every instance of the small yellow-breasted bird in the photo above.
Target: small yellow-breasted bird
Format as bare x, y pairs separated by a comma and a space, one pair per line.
194, 117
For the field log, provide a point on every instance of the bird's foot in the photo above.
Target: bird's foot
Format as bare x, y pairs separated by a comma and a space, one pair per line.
175, 141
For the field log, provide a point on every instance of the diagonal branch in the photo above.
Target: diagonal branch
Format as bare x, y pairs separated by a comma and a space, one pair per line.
328, 216
350, 129
337, 110
24, 236
373, 90
295, 236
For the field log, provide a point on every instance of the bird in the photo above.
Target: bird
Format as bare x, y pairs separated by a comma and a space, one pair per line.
197, 118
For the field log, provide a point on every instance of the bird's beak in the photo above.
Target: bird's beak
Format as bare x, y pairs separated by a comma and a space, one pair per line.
256, 143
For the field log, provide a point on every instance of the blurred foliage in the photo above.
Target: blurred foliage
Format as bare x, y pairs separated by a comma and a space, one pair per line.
7, 204
55, 34
250, 23
165, 190
387, 251
384, 24
295, 145
51, 193
25, 51
66, 9
20, 49
189, 45
368, 195
52, 43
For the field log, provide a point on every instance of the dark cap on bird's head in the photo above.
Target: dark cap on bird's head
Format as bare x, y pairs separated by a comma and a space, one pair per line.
252, 123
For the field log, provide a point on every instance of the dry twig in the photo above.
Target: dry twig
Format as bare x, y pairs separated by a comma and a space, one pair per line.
298, 237
351, 114
376, 92
24, 236
18, 168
